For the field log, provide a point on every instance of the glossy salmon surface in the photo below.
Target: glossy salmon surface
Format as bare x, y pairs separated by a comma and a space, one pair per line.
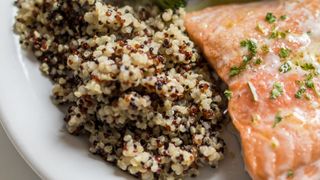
269, 54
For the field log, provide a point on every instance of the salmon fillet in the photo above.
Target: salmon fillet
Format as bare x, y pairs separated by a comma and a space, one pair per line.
268, 53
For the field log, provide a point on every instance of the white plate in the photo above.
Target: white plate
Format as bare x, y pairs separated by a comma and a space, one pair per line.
35, 125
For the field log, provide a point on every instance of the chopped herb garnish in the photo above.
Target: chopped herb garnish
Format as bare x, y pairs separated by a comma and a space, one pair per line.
310, 84
274, 35
278, 35
243, 43
258, 61
277, 120
253, 91
265, 49
252, 48
251, 45
311, 76
283, 17
270, 18
246, 59
277, 90
284, 52
290, 174
286, 67
228, 94
307, 66
235, 71
300, 92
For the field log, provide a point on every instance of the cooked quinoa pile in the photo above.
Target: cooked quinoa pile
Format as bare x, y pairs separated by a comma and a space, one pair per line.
132, 80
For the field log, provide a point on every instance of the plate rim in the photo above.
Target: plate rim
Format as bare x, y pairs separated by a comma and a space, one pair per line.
4, 119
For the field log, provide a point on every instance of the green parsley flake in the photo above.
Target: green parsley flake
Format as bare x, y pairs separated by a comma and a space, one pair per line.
309, 83
265, 49
284, 53
290, 174
311, 75
277, 120
283, 17
251, 45
234, 71
270, 18
286, 67
243, 43
277, 90
278, 35
258, 61
246, 59
307, 66
252, 48
300, 92
228, 94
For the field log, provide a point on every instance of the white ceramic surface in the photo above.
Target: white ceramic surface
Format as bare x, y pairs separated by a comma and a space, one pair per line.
12, 166
35, 125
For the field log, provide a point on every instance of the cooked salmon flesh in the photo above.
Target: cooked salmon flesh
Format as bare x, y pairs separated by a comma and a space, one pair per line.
269, 55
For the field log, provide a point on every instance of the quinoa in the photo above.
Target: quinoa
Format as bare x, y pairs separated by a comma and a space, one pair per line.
133, 82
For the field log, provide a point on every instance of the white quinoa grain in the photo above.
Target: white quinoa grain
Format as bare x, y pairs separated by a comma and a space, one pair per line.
133, 81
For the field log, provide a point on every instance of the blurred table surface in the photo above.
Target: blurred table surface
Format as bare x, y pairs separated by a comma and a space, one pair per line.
12, 166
